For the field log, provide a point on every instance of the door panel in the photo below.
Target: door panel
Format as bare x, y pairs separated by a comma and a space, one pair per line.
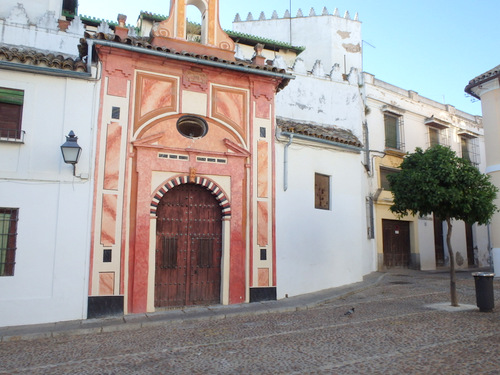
189, 248
396, 242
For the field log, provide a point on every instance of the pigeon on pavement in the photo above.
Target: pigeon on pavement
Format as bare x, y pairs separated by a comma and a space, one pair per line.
349, 312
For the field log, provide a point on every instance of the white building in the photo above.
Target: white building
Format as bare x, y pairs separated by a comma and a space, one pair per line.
317, 248
321, 182
399, 121
45, 92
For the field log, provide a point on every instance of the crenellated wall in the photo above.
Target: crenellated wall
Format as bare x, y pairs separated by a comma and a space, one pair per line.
340, 44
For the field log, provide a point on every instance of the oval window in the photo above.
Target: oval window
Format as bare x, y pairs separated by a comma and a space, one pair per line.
192, 126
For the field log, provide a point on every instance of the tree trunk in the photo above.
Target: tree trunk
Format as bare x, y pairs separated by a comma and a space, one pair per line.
453, 281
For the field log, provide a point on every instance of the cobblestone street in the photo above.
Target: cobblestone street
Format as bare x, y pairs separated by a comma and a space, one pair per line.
395, 329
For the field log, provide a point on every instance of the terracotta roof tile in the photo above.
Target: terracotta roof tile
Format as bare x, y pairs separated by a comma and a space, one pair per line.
40, 58
329, 133
143, 42
485, 77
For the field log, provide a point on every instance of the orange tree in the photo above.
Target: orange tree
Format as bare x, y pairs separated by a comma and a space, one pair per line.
437, 181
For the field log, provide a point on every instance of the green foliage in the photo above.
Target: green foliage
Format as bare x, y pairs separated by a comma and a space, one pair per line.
438, 181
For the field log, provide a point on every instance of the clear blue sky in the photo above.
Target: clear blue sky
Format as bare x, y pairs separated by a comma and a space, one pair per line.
431, 47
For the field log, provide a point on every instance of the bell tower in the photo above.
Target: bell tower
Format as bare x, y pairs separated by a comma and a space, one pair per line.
172, 33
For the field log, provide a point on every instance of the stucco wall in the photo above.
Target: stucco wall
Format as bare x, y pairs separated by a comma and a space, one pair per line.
318, 249
53, 241
337, 40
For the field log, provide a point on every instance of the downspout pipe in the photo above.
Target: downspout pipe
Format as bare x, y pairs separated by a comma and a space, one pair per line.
191, 59
285, 163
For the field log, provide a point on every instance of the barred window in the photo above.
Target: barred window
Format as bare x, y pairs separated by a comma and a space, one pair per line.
393, 125
470, 149
8, 235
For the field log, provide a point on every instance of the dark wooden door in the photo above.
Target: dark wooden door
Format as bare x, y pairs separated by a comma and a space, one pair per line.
188, 248
438, 241
396, 238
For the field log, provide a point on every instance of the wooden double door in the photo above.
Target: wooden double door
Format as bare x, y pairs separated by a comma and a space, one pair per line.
188, 248
396, 237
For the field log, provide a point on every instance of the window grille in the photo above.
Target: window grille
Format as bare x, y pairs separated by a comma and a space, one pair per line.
437, 132
169, 253
394, 136
469, 147
384, 182
8, 237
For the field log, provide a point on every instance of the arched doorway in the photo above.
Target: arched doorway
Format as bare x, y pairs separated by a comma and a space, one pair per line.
188, 247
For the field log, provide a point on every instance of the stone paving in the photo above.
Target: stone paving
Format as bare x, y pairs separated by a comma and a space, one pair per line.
394, 330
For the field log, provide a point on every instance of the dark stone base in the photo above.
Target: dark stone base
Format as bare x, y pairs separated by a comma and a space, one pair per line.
263, 294
103, 306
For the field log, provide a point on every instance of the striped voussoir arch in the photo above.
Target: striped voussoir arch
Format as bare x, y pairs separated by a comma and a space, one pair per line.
202, 181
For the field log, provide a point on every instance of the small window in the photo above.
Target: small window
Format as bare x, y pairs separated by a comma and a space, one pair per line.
393, 131
11, 110
469, 149
192, 126
433, 137
115, 113
384, 182
437, 130
8, 237
321, 191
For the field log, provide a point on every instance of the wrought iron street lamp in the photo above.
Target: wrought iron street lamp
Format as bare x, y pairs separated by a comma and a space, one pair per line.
71, 150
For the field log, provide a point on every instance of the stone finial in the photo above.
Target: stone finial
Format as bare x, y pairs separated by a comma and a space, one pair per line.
287, 14
132, 32
237, 18
122, 19
279, 62
18, 15
258, 49
336, 12
312, 13
353, 77
356, 17
347, 16
275, 15
299, 13
249, 17
325, 12
262, 16
121, 29
258, 59
76, 26
104, 28
299, 66
318, 70
48, 21
335, 73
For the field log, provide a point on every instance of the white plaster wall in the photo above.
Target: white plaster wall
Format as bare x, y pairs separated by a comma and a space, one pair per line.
337, 34
34, 25
319, 249
50, 281
426, 243
34, 9
322, 101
